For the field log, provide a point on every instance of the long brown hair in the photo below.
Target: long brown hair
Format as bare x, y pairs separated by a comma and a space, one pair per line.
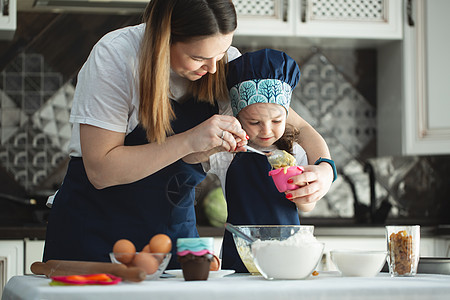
168, 22
286, 142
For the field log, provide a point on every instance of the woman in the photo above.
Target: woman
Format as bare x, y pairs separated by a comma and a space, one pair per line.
126, 177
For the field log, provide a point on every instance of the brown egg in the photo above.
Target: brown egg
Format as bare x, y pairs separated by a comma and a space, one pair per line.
146, 248
215, 264
146, 261
124, 250
160, 243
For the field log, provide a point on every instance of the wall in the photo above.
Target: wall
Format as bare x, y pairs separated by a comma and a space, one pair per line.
37, 78
336, 95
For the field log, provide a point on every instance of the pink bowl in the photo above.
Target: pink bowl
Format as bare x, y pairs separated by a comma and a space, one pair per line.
280, 178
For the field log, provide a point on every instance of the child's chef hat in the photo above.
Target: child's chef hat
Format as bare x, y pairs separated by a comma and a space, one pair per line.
263, 76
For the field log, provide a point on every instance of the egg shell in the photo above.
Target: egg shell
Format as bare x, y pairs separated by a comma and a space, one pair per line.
146, 248
160, 243
146, 261
124, 250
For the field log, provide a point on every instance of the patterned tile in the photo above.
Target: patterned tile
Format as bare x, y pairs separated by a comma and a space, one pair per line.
29, 82
30, 156
352, 122
334, 105
346, 120
393, 174
11, 117
321, 85
34, 124
53, 117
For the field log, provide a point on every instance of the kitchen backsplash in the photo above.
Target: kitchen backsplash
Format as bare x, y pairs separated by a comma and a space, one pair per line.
336, 94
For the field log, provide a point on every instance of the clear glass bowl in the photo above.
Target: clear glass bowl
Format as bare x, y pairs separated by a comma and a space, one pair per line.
259, 264
162, 260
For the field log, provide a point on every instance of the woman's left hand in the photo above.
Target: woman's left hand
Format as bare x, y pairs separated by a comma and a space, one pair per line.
314, 183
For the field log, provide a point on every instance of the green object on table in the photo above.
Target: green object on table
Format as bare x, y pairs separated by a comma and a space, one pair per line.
215, 207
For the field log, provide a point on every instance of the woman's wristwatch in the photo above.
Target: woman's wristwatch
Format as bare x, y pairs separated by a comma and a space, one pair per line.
328, 161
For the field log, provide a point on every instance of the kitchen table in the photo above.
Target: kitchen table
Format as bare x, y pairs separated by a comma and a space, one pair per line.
327, 285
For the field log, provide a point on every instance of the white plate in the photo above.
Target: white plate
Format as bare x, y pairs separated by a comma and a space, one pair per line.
212, 274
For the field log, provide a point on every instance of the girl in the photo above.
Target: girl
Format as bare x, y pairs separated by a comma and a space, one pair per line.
260, 85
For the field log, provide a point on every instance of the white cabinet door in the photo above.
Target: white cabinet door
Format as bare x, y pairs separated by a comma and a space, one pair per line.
34, 251
264, 18
413, 85
442, 247
8, 19
11, 260
376, 19
354, 19
427, 84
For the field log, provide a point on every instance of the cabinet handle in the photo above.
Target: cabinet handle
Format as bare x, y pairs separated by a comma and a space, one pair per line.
409, 10
5, 7
303, 8
285, 10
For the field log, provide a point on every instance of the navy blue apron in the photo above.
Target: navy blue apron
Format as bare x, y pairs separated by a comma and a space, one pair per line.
85, 222
252, 199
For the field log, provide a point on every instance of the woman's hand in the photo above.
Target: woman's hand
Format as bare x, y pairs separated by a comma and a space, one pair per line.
218, 133
109, 162
314, 183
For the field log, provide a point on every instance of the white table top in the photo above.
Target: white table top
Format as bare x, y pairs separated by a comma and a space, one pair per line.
327, 285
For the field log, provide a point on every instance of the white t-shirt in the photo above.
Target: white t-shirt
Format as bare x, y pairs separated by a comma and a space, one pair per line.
219, 162
107, 92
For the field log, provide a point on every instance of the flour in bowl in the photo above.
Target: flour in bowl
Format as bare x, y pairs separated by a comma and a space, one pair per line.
294, 258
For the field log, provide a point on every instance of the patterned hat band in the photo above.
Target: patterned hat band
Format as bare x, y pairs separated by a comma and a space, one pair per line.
260, 91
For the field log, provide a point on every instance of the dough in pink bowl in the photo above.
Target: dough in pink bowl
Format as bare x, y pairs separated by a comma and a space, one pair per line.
281, 176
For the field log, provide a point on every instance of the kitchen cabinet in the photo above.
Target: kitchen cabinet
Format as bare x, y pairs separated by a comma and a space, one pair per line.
442, 247
8, 19
11, 260
16, 257
381, 19
357, 19
34, 251
413, 88
264, 18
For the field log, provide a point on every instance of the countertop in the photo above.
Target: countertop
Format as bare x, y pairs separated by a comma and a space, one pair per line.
327, 285
348, 230
38, 231
20, 232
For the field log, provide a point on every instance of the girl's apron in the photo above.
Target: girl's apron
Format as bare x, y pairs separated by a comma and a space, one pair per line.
252, 199
85, 222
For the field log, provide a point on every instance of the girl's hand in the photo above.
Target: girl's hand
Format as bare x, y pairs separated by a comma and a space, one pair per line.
313, 184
